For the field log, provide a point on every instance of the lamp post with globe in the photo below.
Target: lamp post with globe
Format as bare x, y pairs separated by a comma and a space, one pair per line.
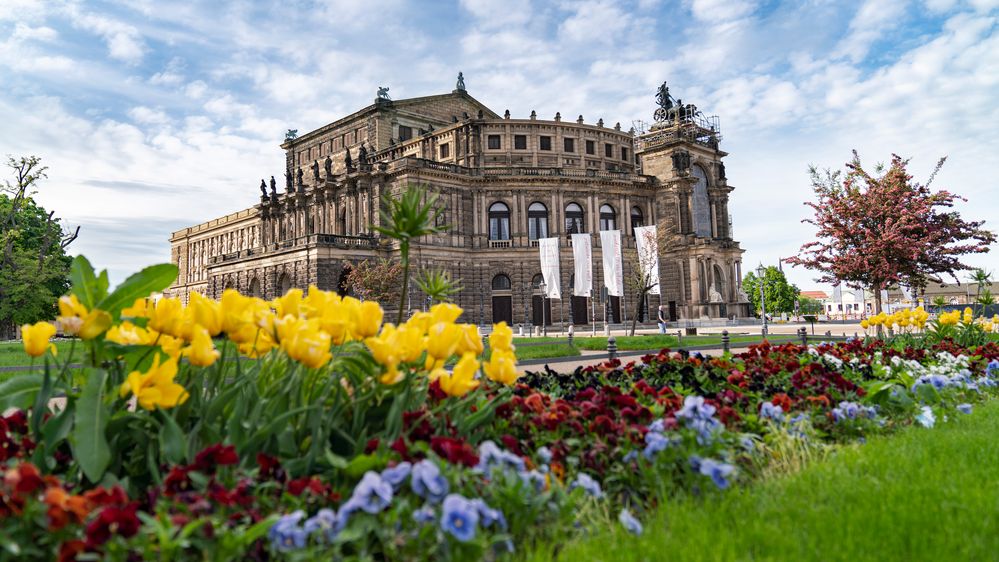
544, 302
760, 271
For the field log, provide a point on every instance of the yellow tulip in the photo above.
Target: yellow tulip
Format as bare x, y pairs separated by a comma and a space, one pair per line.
167, 317
174, 347
316, 301
969, 315
383, 347
304, 342
865, 324
445, 312
502, 367
289, 303
76, 320
155, 387
36, 338
501, 338
460, 381
258, 346
201, 352
421, 321
471, 340
369, 319
206, 313
442, 340
391, 376
139, 309
127, 333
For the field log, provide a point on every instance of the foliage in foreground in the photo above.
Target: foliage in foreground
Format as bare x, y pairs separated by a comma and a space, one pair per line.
333, 434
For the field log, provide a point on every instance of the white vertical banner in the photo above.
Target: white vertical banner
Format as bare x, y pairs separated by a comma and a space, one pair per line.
610, 243
648, 255
884, 298
549, 267
582, 258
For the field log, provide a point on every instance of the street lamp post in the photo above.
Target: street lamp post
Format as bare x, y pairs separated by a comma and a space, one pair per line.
544, 302
763, 305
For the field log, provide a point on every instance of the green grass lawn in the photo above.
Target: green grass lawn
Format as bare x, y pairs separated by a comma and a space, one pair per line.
626, 343
12, 353
919, 495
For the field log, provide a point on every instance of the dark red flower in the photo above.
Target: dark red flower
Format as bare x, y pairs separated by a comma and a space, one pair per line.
177, 481
511, 443
298, 486
270, 468
112, 520
23, 480
213, 456
456, 451
371, 446
70, 549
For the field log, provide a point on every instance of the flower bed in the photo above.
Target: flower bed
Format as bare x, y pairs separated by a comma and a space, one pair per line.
335, 435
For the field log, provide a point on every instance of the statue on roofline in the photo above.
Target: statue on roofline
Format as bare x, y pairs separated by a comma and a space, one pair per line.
315, 171
460, 86
273, 187
383, 93
263, 188
328, 166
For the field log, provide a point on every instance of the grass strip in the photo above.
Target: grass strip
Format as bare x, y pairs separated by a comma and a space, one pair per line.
922, 494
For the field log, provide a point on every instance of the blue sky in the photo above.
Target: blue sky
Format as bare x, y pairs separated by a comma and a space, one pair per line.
154, 115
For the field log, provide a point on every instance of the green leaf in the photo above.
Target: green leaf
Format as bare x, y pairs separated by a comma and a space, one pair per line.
172, 440
361, 464
85, 287
152, 279
19, 392
91, 445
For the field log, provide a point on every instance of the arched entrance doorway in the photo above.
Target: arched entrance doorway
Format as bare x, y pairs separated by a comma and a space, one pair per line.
284, 284
580, 306
502, 299
255, 288
343, 283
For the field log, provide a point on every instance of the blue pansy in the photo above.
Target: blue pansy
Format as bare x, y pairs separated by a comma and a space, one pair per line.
325, 522
285, 534
489, 516
459, 517
424, 515
770, 411
427, 481
397, 474
964, 408
545, 455
629, 522
658, 426
372, 494
654, 442
534, 479
588, 484
630, 456
717, 471
491, 456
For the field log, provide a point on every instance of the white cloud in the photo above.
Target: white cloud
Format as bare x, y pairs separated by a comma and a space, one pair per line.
172, 75
41, 33
718, 11
123, 40
873, 19
148, 116
499, 13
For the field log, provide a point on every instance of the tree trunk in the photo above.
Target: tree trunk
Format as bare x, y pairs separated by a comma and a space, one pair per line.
634, 319
877, 304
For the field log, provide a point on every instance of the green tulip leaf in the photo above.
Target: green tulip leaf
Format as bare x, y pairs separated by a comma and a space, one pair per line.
91, 445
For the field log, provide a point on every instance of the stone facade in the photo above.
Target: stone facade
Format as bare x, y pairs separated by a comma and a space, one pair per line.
502, 183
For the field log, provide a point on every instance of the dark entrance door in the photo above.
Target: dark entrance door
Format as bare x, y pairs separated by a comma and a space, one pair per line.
503, 310
536, 320
672, 311
580, 310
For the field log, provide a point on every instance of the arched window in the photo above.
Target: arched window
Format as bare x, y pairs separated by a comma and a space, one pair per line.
608, 218
284, 284
499, 221
701, 205
574, 219
537, 221
637, 219
255, 288
501, 283
537, 281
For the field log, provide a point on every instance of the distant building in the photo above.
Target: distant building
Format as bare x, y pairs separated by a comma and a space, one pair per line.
502, 184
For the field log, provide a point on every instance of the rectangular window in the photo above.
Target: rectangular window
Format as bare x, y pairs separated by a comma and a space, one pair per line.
546, 143
494, 142
591, 147
445, 150
343, 140
569, 145
405, 133
520, 142
624, 154
609, 150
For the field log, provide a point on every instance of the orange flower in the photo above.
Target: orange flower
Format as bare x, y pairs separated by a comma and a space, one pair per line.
65, 507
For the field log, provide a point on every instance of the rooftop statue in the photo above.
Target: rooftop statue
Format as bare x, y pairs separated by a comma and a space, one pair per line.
460, 86
315, 171
273, 187
328, 166
383, 93
292, 134
263, 188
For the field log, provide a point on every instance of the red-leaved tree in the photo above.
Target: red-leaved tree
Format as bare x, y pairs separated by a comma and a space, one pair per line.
875, 231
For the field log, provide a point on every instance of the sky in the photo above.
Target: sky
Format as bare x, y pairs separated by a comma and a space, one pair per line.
154, 115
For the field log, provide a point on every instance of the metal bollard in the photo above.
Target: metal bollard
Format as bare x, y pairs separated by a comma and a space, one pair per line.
679, 338
725, 341
612, 347
803, 334
570, 334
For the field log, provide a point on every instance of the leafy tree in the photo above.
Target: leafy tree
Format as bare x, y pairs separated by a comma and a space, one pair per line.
34, 267
874, 231
809, 306
642, 277
780, 295
982, 278
377, 280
